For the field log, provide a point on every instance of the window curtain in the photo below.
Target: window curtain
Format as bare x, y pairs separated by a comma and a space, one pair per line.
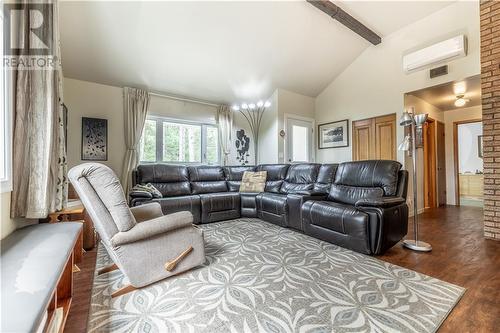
225, 121
39, 154
135, 107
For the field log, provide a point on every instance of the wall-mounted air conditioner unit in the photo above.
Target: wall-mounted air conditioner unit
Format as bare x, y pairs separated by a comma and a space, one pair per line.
452, 48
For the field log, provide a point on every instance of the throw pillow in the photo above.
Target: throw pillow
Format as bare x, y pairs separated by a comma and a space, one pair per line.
253, 181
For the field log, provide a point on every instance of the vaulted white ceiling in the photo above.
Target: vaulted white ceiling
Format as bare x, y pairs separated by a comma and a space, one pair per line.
221, 51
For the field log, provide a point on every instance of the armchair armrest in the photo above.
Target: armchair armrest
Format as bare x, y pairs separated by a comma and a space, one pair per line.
380, 202
150, 228
147, 211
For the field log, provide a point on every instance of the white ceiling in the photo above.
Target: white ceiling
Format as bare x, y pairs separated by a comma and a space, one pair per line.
220, 51
443, 96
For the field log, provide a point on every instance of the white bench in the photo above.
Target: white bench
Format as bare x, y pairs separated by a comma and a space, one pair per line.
37, 276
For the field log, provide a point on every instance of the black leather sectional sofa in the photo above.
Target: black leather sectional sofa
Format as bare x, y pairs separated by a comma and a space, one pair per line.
357, 205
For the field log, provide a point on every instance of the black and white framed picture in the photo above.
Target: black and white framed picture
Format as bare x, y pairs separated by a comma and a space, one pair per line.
333, 135
94, 139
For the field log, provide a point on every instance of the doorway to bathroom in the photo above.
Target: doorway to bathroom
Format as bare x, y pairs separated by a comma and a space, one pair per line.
468, 148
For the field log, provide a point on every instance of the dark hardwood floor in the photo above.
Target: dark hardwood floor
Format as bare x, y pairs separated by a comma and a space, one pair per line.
460, 255
82, 288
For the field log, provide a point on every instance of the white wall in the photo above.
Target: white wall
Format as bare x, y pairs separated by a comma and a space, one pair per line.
374, 84
8, 225
89, 99
283, 103
291, 104
468, 156
160, 106
450, 117
268, 134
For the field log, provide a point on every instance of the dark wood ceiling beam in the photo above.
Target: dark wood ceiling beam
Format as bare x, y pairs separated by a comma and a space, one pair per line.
350, 22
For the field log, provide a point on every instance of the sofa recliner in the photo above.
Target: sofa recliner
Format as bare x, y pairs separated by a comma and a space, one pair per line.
358, 205
368, 201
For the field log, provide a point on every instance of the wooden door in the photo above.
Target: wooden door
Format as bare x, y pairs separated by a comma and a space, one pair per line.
374, 138
441, 163
363, 143
429, 136
385, 137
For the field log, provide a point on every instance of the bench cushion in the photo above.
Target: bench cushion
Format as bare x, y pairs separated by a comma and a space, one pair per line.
33, 258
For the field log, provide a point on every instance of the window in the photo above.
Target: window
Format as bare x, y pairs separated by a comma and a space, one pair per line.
172, 141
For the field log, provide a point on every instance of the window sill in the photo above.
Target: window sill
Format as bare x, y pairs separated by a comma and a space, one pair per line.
5, 186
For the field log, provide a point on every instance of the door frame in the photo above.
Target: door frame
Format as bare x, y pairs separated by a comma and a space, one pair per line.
438, 180
455, 155
287, 117
430, 164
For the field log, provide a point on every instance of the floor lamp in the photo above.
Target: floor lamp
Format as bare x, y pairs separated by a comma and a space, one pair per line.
416, 122
253, 114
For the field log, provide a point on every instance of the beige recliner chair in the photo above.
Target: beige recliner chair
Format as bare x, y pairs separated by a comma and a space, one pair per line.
144, 244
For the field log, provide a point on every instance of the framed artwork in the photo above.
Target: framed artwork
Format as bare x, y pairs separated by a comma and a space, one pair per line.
333, 135
480, 146
242, 144
94, 139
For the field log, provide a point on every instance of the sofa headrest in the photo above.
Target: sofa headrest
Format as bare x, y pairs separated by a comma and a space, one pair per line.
274, 171
302, 173
326, 173
161, 173
205, 173
236, 172
370, 173
351, 194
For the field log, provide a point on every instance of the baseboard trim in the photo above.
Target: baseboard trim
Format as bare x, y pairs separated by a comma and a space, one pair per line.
420, 211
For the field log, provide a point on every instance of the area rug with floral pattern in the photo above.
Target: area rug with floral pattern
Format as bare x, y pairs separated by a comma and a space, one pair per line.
259, 277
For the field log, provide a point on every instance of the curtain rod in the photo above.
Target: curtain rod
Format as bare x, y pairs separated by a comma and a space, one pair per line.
184, 99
